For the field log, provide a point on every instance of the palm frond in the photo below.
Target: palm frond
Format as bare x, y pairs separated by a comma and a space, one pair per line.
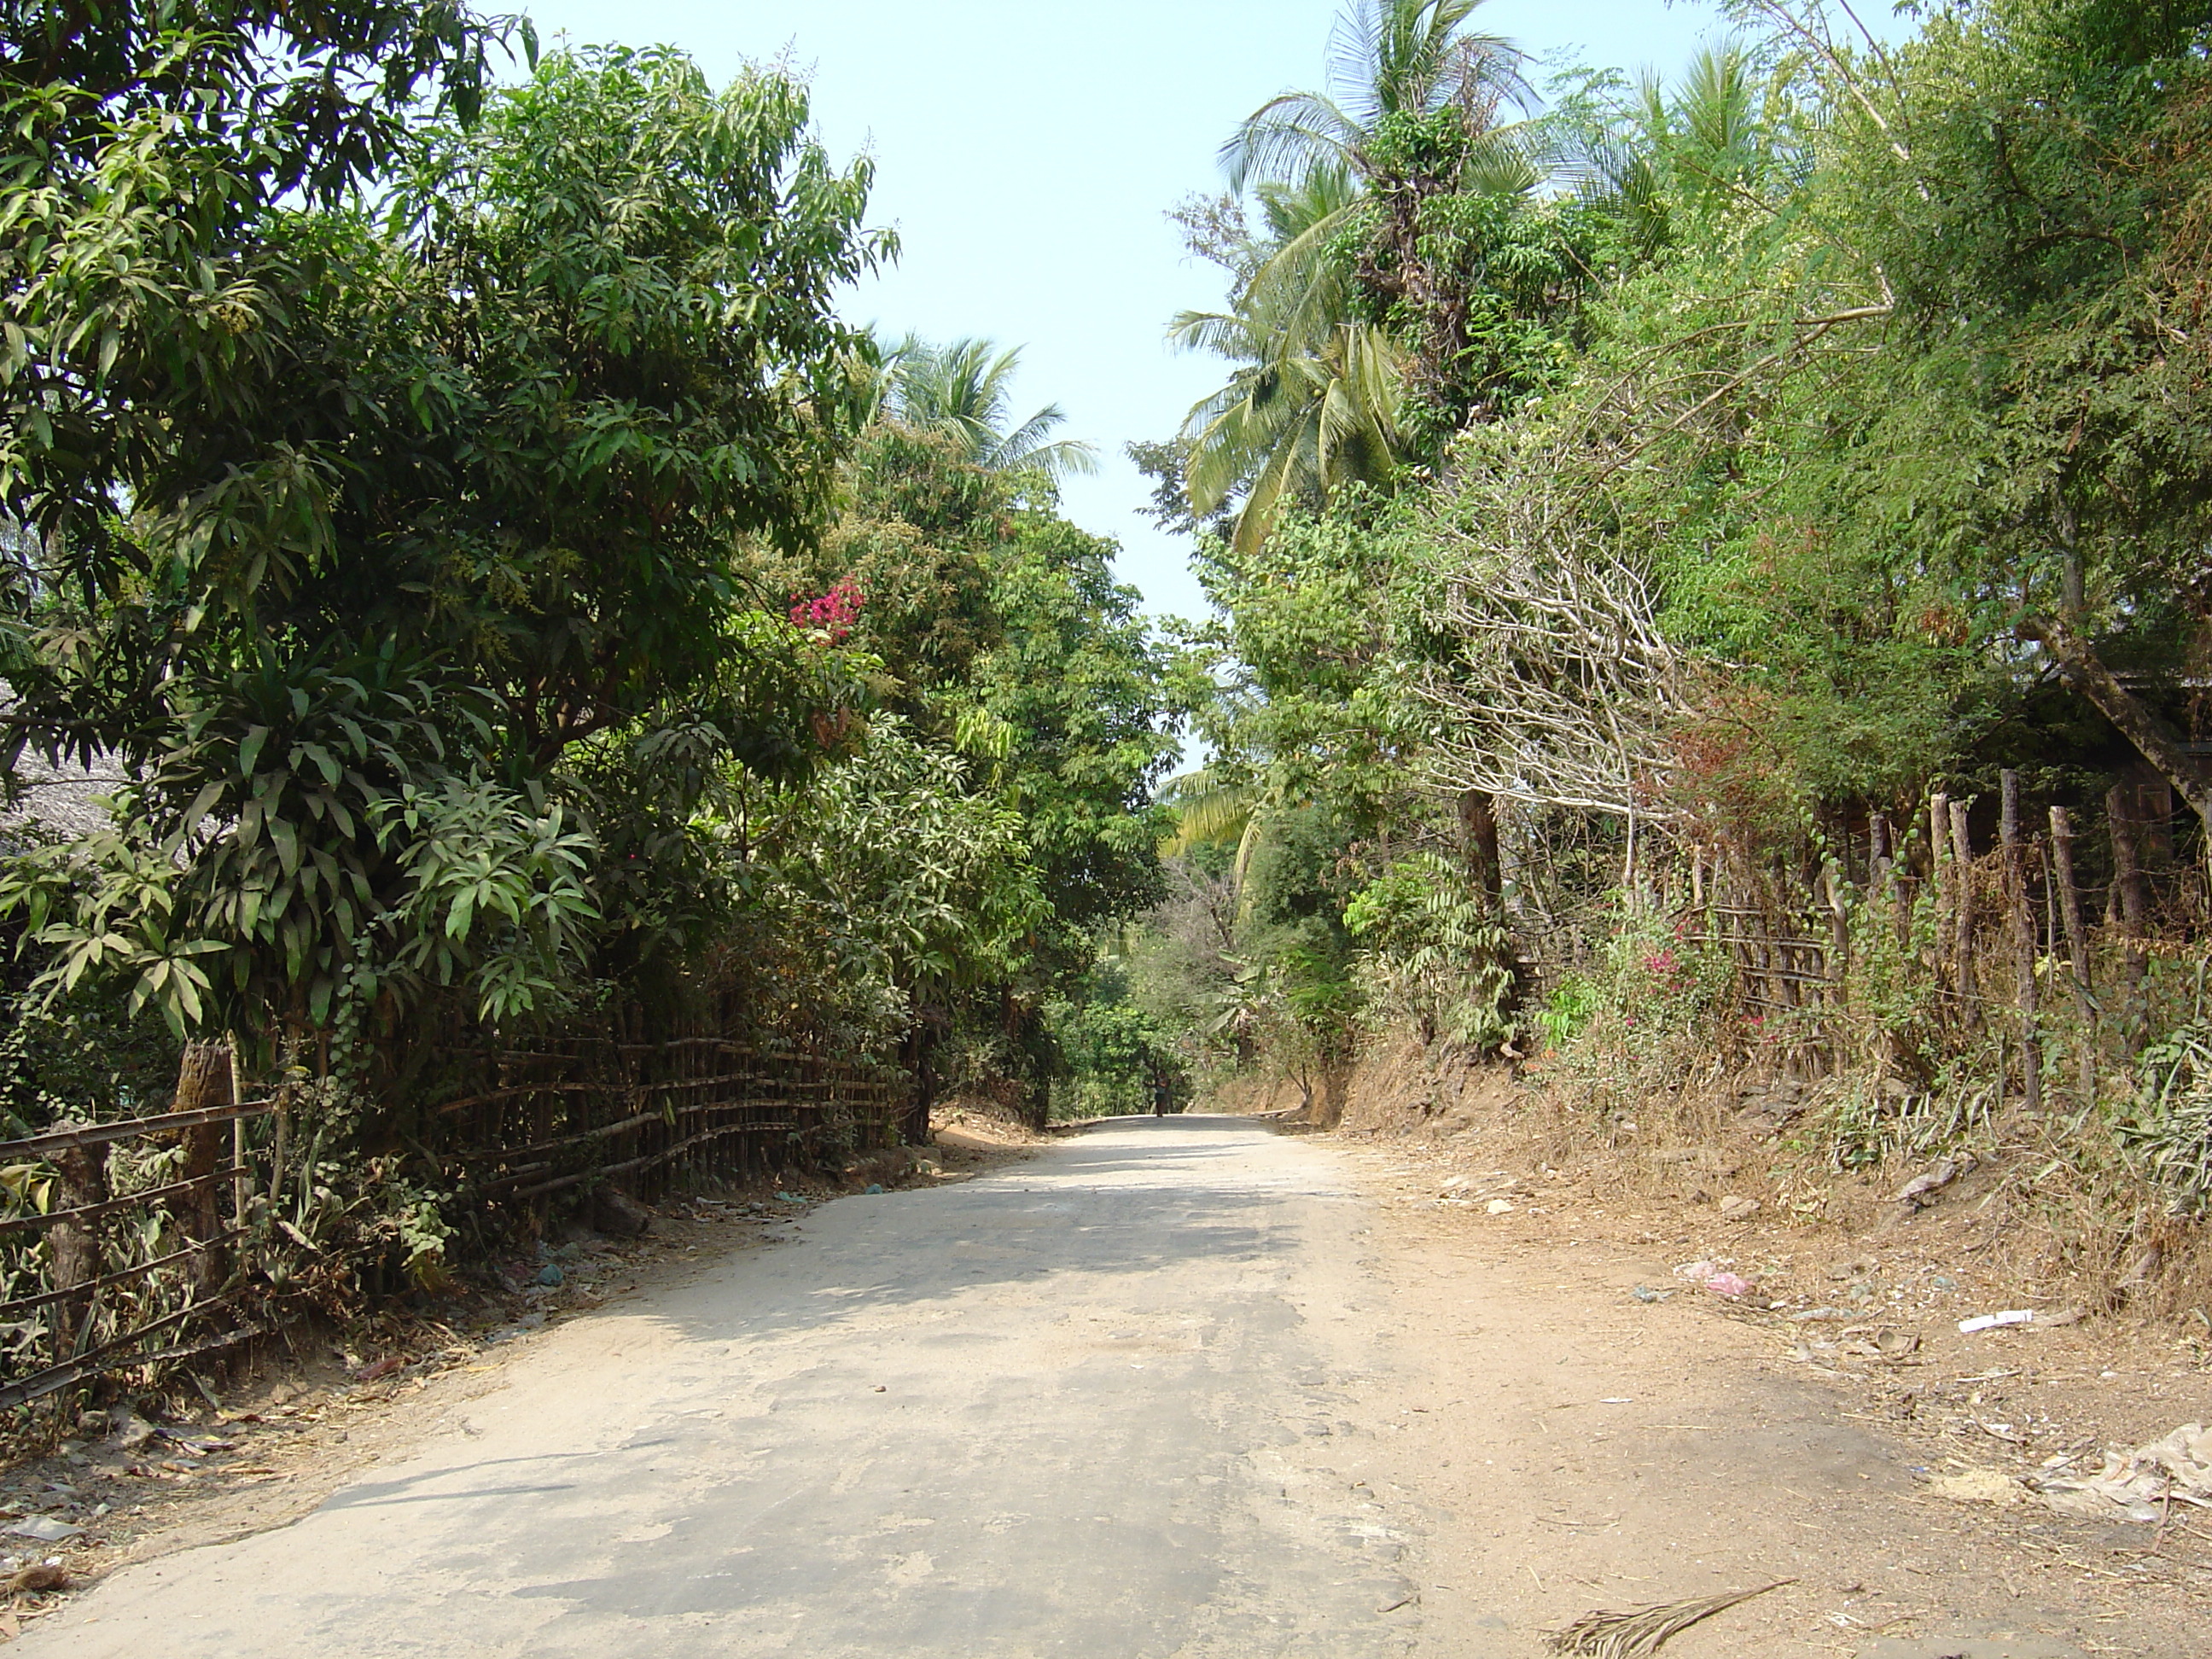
1503, 161
1263, 501
1209, 810
1357, 45
1222, 333
1639, 1632
1299, 290
963, 390
1232, 435
1065, 457
1026, 437
1288, 137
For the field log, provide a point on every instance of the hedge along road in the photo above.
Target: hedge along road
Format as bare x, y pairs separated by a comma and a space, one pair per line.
1085, 1407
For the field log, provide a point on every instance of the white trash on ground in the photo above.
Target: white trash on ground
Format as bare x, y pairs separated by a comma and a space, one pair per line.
2142, 1485
1992, 1321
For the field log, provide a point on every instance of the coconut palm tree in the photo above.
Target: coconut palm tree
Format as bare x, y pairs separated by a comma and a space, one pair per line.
1390, 58
1313, 403
964, 390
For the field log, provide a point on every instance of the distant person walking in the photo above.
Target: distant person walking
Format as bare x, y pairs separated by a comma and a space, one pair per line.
1163, 1094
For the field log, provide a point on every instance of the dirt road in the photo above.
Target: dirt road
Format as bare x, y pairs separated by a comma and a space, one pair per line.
1175, 1388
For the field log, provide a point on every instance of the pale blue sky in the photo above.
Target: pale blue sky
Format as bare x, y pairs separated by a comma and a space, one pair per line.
1027, 154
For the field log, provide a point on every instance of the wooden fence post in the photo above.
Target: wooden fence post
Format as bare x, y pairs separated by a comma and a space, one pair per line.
2131, 895
81, 1180
203, 1082
1904, 887
2022, 918
1946, 879
1839, 930
1962, 909
2079, 972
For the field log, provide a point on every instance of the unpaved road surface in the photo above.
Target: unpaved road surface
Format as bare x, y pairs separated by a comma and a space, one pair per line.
1174, 1388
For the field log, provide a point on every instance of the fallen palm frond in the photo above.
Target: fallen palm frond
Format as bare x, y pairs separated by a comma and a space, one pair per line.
1639, 1632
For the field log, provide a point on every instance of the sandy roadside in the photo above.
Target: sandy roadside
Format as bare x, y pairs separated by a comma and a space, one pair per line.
1582, 1446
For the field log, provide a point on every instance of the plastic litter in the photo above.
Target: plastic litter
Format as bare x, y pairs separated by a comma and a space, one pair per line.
1642, 1294
875, 1186
550, 1274
2142, 1485
1890, 1343
1993, 1322
1710, 1275
1499, 1206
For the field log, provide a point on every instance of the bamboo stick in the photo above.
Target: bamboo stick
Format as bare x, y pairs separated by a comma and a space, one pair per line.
1945, 877
1962, 908
2022, 919
1831, 882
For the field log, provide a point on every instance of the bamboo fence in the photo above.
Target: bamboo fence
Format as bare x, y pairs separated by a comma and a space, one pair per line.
131, 1244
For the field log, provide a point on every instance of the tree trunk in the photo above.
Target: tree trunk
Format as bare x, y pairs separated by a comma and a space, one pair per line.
2135, 720
921, 1053
1478, 830
1945, 877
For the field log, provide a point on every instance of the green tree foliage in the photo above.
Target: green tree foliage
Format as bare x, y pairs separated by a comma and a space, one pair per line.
1302, 660
996, 630
1827, 427
890, 880
509, 592
152, 284
1412, 278
486, 505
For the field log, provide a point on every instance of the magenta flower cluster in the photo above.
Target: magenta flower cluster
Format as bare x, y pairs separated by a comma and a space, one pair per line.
834, 613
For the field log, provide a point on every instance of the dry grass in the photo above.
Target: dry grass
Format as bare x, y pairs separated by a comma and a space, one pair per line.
2049, 1216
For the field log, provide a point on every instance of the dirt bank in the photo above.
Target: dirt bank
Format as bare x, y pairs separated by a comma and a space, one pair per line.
1661, 1439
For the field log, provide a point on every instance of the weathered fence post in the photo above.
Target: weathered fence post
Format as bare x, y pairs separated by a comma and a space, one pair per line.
2022, 919
1839, 930
1962, 907
81, 1180
1946, 879
203, 1083
1904, 887
2132, 895
2079, 975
